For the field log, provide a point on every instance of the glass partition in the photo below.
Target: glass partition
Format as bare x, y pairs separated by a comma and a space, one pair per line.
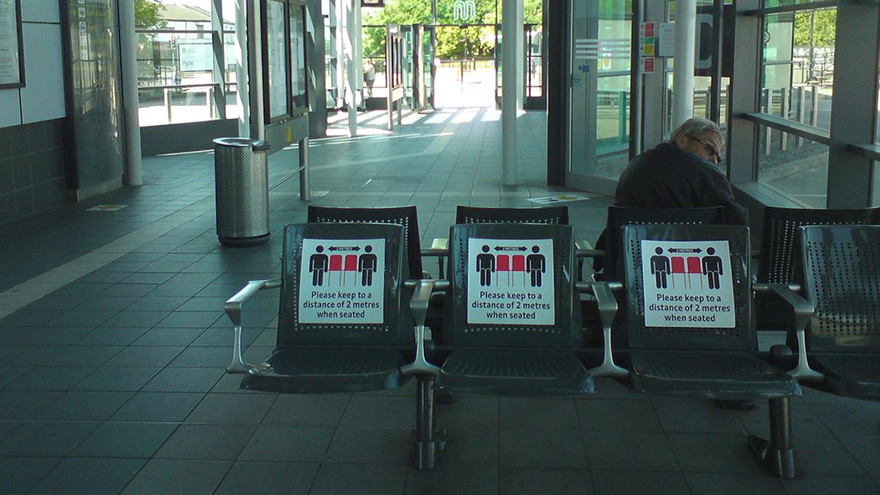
794, 166
799, 66
599, 93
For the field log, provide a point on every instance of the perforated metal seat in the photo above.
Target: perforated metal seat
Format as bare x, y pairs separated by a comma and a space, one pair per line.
503, 372
712, 358
842, 281
781, 242
330, 350
619, 216
712, 375
506, 356
406, 216
554, 215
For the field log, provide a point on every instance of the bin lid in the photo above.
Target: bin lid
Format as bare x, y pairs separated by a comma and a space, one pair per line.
241, 142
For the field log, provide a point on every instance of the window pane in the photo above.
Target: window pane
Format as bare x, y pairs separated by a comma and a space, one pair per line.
799, 66
794, 166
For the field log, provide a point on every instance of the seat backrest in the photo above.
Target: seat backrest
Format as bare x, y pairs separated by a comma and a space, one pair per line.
618, 216
474, 214
688, 288
407, 216
780, 239
842, 281
341, 285
512, 285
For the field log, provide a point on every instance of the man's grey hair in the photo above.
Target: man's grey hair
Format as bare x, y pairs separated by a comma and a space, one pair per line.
694, 127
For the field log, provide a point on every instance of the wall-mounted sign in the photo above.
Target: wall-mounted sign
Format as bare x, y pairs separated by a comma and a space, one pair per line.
688, 284
511, 281
372, 3
11, 57
342, 281
195, 55
464, 10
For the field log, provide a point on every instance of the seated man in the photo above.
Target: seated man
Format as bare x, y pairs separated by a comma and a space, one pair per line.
680, 173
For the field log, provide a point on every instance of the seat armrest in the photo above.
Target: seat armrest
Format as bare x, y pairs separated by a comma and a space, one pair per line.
233, 311
607, 311
585, 249
421, 298
803, 311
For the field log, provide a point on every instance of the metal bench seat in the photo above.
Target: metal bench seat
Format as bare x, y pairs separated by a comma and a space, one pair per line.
515, 372
710, 375
321, 370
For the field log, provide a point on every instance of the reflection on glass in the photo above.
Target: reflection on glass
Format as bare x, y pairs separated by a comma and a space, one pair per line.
276, 56
799, 66
794, 166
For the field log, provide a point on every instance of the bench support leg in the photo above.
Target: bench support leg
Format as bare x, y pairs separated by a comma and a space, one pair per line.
427, 442
778, 454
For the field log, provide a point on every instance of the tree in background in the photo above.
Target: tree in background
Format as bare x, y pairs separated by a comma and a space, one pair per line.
470, 42
815, 29
147, 14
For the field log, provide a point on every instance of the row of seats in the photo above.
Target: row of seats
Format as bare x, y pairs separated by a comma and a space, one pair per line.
512, 322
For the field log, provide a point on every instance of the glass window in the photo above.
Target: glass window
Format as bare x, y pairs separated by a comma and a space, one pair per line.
794, 166
799, 66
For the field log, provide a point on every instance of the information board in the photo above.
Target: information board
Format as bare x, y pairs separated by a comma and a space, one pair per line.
11, 61
342, 281
511, 281
688, 284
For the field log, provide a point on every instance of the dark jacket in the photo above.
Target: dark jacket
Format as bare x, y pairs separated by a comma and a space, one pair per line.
670, 177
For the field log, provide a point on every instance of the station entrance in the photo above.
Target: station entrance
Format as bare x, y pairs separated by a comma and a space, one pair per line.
453, 66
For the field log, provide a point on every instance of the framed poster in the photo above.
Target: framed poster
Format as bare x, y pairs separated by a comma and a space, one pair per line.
298, 81
276, 60
11, 56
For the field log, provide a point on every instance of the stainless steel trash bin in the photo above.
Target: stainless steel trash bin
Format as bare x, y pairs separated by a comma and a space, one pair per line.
241, 179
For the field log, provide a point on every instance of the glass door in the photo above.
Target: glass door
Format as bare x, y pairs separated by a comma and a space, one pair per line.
599, 74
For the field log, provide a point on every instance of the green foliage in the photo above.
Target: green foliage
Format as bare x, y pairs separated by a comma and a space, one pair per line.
473, 41
824, 28
147, 14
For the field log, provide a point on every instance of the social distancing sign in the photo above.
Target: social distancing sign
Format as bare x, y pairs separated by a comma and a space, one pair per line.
511, 281
688, 284
342, 281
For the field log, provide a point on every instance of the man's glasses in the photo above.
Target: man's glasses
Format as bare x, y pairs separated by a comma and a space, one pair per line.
710, 149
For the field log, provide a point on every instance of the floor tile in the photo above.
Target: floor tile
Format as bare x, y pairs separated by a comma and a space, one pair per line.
46, 438
158, 406
452, 479
308, 410
549, 449
118, 378
178, 477
184, 380
517, 481
288, 443
640, 482
85, 405
19, 474
88, 476
290, 478
212, 442
125, 439
232, 409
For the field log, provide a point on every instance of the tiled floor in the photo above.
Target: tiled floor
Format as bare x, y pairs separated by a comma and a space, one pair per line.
113, 345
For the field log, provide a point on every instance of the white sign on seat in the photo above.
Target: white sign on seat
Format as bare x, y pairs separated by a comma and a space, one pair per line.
342, 281
511, 281
688, 284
